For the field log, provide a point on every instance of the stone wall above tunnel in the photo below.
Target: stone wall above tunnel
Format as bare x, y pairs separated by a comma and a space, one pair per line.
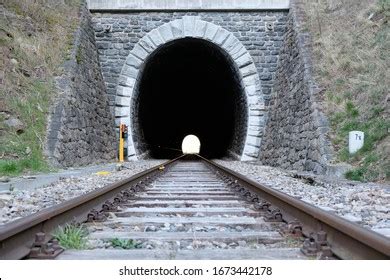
260, 32
296, 132
81, 128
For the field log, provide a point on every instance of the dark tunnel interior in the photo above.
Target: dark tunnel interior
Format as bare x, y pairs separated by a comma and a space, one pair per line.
188, 87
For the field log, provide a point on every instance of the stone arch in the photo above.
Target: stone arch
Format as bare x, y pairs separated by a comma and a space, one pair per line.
193, 27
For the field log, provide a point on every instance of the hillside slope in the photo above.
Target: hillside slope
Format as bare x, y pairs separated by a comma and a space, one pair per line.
35, 39
351, 45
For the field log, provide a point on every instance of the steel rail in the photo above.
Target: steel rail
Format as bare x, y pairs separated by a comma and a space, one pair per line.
347, 240
17, 237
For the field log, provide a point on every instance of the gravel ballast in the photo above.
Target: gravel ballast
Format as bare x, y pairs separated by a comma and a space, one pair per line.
20, 203
367, 204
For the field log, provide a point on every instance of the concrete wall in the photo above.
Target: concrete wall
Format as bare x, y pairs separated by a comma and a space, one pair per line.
296, 133
144, 5
81, 129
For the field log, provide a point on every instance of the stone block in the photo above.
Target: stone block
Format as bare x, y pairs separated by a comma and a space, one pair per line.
253, 100
189, 23
237, 51
122, 111
248, 70
253, 141
231, 43
221, 36
139, 52
126, 81
248, 157
166, 32
155, 37
255, 106
251, 151
147, 44
133, 61
256, 133
130, 150
252, 90
123, 101
256, 112
200, 29
211, 31
177, 28
254, 121
244, 60
130, 72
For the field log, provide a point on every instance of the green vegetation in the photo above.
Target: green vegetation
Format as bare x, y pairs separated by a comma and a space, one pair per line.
127, 244
384, 6
33, 49
79, 55
72, 237
351, 50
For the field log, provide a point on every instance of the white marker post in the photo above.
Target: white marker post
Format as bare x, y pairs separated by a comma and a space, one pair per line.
356, 141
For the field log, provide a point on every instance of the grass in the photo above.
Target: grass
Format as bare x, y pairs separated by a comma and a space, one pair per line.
33, 49
350, 48
72, 237
126, 244
15, 167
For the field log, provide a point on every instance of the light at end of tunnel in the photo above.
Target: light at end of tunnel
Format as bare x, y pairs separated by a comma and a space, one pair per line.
190, 145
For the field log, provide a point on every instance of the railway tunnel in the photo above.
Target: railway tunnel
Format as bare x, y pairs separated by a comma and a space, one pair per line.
237, 76
190, 86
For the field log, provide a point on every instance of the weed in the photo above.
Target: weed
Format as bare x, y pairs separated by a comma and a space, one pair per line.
351, 109
292, 242
72, 236
8, 167
344, 154
384, 5
376, 111
125, 243
356, 174
79, 56
371, 158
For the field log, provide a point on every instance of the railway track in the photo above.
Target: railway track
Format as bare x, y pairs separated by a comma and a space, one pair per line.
192, 208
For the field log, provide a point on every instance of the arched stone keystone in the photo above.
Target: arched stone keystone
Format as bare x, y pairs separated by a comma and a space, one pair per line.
193, 27
189, 26
177, 29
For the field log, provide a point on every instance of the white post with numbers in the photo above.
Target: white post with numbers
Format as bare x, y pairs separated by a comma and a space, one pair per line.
356, 141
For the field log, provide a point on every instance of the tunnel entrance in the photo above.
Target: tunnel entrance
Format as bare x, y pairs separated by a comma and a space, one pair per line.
189, 86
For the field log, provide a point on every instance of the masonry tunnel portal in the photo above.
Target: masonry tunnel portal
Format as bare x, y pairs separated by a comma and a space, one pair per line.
190, 86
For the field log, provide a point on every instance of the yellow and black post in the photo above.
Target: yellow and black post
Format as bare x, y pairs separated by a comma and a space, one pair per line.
122, 139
